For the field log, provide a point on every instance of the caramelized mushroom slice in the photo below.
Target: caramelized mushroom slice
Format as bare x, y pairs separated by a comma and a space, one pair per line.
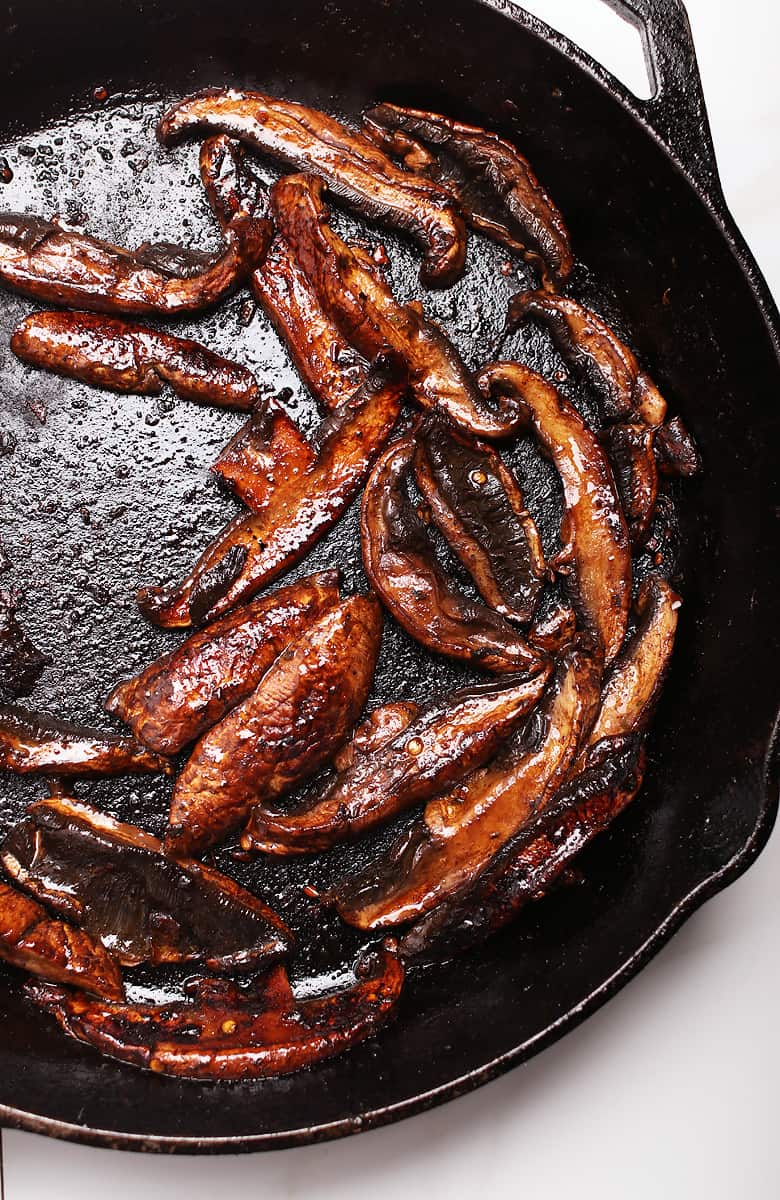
253, 550
32, 940
355, 170
379, 728
298, 717
633, 686
553, 628
494, 184
461, 832
225, 1032
322, 356
450, 737
179, 696
630, 449
604, 780
595, 352
58, 266
36, 744
266, 452
21, 663
401, 564
676, 450
116, 354
114, 882
370, 317
476, 502
595, 538
533, 861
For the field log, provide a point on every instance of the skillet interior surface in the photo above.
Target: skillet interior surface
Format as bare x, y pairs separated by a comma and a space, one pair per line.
113, 491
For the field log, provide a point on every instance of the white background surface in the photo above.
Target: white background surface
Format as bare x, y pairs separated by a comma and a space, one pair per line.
671, 1090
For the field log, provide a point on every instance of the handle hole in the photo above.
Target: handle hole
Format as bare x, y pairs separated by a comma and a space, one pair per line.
613, 40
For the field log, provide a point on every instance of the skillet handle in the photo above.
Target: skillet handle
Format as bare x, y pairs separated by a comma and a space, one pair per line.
677, 111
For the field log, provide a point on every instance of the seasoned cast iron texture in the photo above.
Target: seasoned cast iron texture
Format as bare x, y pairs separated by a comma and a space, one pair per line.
113, 491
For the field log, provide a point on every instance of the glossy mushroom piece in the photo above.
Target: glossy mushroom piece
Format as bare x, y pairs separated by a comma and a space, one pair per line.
533, 861
359, 301
320, 353
400, 561
226, 1033
300, 714
179, 696
596, 551
34, 941
596, 353
42, 260
605, 778
477, 504
354, 169
113, 881
462, 831
37, 744
267, 451
253, 550
494, 183
448, 738
126, 357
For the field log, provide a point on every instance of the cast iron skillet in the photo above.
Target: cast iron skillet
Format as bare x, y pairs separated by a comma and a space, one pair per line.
111, 491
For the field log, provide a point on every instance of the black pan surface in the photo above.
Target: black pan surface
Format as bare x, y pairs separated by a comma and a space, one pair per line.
113, 491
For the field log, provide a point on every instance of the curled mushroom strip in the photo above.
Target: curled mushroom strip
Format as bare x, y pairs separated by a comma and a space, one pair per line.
462, 831
355, 170
225, 1032
495, 185
596, 546
126, 357
446, 740
34, 743
631, 451
253, 550
322, 356
596, 353
370, 318
401, 563
59, 266
477, 503
633, 686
